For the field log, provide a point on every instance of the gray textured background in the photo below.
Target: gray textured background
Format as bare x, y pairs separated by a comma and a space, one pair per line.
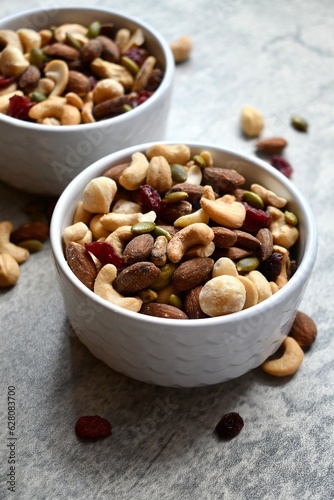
278, 57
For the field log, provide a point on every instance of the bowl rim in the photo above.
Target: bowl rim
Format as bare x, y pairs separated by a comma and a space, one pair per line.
305, 266
108, 122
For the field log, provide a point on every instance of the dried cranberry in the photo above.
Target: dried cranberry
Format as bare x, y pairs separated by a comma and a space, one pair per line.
271, 267
136, 54
105, 253
255, 219
229, 425
282, 165
19, 107
93, 427
4, 82
150, 199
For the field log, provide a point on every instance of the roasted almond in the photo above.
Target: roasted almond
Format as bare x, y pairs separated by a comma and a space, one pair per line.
265, 238
61, 51
91, 50
191, 304
112, 107
303, 330
191, 273
81, 263
78, 83
173, 211
224, 237
29, 79
138, 249
222, 180
116, 171
272, 145
34, 230
136, 277
162, 311
246, 240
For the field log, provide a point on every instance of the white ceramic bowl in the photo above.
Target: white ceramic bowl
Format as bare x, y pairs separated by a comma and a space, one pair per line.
44, 159
185, 353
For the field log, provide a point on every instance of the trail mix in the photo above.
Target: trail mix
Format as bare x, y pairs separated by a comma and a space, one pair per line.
171, 234
72, 74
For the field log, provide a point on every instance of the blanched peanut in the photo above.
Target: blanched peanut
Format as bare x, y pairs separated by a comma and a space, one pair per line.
261, 283
107, 89
224, 265
283, 234
289, 363
252, 295
222, 295
99, 194
181, 48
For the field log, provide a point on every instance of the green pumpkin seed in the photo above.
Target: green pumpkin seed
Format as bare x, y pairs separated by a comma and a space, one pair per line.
143, 227
175, 301
248, 264
127, 107
253, 199
199, 160
94, 29
71, 40
179, 173
290, 218
147, 295
37, 97
37, 57
32, 246
299, 123
175, 197
160, 231
165, 276
130, 65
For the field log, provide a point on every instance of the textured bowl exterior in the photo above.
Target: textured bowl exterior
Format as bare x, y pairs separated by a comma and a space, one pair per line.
44, 159
184, 353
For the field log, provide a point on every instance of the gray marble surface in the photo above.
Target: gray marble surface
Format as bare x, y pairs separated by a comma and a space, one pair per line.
278, 57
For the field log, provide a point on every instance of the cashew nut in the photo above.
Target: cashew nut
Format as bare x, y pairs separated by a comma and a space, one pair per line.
30, 39
284, 234
45, 86
178, 153
159, 174
194, 175
78, 232
81, 214
11, 88
74, 99
181, 48
222, 295
87, 109
10, 38
55, 107
6, 247
289, 363
122, 38
113, 221
74, 29
195, 234
262, 285
58, 71
119, 238
186, 220
103, 287
106, 69
9, 270
282, 278
225, 211
137, 38
124, 206
207, 157
98, 230
99, 194
12, 62
269, 197
135, 175
200, 251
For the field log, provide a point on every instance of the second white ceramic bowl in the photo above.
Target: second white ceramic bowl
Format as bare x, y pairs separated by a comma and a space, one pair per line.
44, 159
185, 353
